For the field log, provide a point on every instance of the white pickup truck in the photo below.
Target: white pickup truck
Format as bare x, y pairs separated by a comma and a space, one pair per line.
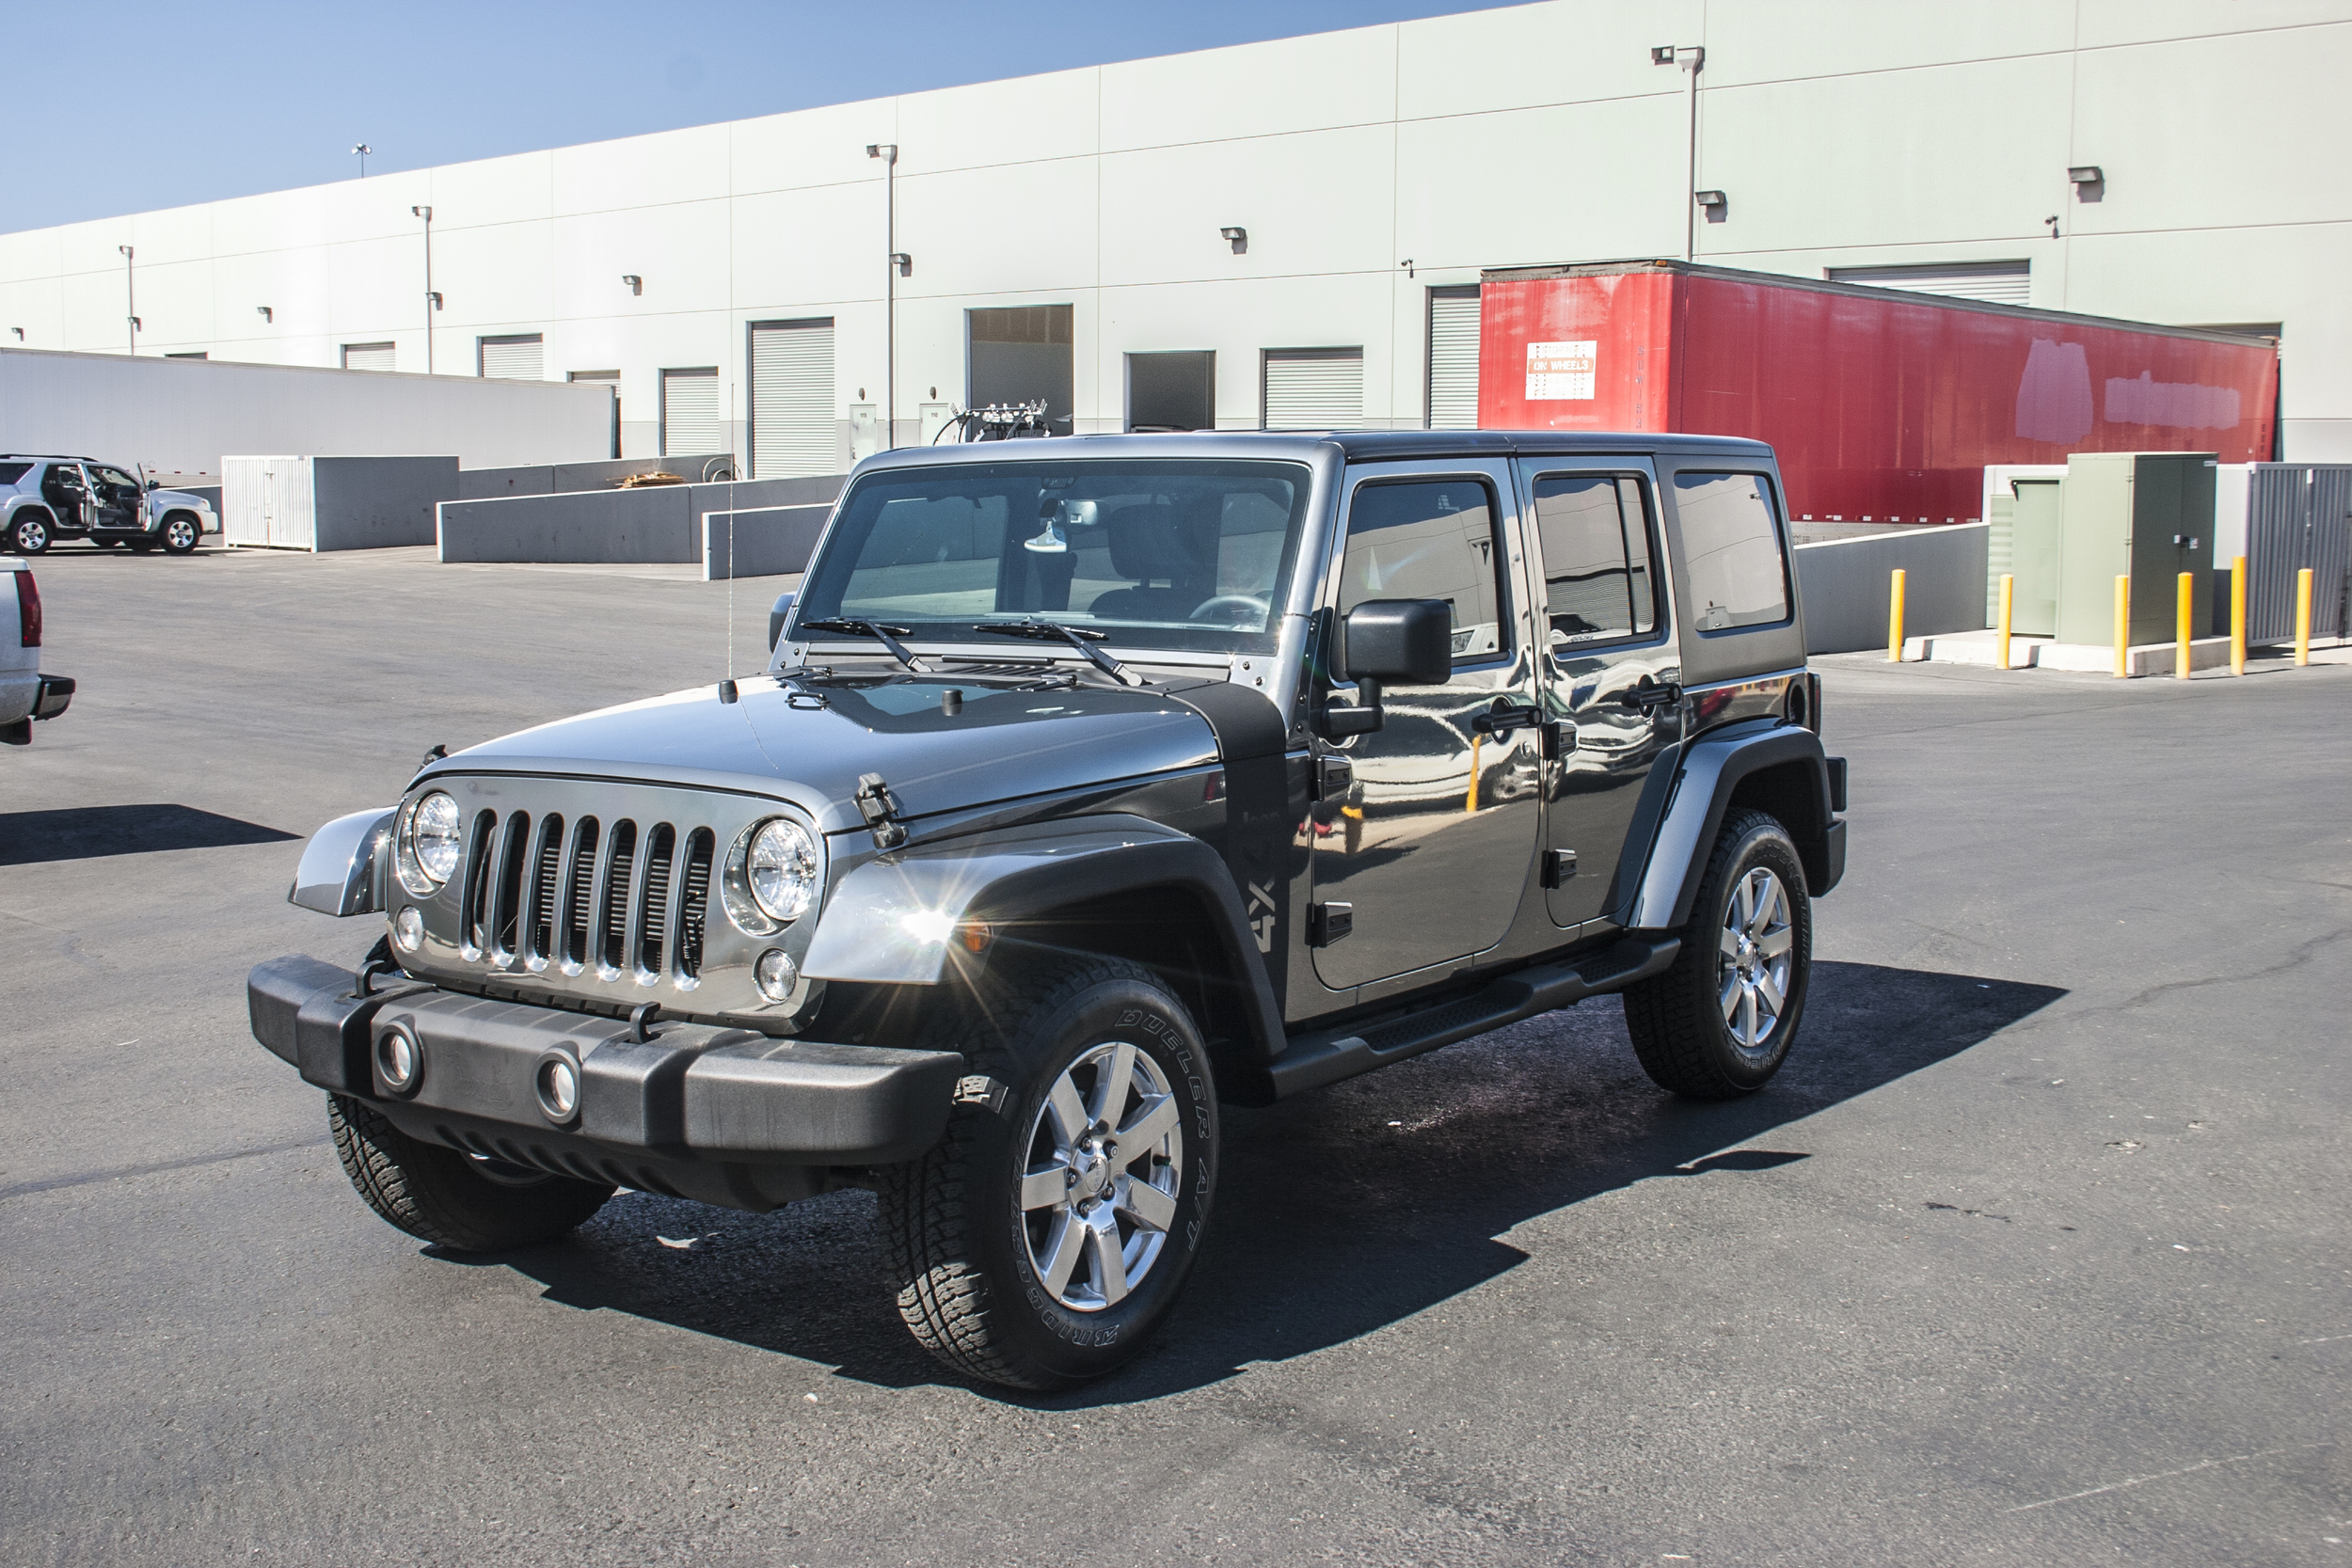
25, 693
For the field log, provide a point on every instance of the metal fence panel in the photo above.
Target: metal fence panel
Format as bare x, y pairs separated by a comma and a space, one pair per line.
2298, 518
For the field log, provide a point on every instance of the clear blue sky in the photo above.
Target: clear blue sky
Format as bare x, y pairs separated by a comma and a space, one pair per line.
125, 107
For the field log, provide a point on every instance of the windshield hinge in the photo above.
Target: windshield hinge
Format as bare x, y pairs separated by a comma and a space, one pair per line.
881, 809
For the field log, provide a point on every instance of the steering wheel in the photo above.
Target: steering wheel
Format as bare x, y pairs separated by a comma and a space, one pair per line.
1233, 610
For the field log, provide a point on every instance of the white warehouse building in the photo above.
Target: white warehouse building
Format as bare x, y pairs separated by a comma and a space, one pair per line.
1292, 234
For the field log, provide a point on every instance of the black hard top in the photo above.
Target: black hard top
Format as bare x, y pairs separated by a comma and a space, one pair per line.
1355, 446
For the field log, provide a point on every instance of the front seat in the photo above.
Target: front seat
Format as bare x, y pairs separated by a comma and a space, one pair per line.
1168, 551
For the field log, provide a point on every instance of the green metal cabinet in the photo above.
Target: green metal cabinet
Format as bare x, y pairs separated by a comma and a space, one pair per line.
2037, 519
2148, 514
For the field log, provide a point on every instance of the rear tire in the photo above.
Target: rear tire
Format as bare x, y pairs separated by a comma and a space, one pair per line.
1051, 1230
1719, 1022
451, 1199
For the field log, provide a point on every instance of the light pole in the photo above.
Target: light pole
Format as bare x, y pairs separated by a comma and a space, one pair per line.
431, 299
1692, 59
130, 298
888, 153
361, 152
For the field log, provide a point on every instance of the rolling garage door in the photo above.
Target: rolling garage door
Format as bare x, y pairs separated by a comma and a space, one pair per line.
367, 356
520, 357
792, 400
1454, 358
689, 413
1313, 388
1996, 282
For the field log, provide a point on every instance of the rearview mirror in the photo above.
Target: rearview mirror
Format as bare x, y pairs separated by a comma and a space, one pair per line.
1406, 640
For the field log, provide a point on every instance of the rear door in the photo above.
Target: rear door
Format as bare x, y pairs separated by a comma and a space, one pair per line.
1609, 670
1429, 857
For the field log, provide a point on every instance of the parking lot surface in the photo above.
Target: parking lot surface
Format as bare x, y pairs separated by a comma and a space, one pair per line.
2035, 1252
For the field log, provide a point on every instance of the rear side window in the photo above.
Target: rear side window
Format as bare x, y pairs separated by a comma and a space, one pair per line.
1597, 582
1430, 539
1731, 550
11, 472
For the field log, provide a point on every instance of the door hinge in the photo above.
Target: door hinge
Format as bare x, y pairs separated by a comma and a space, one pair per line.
1559, 865
1328, 923
881, 809
1559, 739
1334, 777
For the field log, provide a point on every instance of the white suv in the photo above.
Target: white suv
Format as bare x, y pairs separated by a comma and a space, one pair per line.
44, 500
25, 693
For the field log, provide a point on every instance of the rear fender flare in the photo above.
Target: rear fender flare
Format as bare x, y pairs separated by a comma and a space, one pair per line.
890, 921
1712, 771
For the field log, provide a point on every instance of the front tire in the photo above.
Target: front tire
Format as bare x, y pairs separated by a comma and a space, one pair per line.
1050, 1232
182, 535
1719, 1022
29, 535
451, 1199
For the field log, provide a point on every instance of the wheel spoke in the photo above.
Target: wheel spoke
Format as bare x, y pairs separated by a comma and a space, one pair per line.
1113, 1078
1733, 990
1147, 1206
1045, 1187
1110, 1261
1770, 991
1063, 1249
1776, 945
1068, 1113
1749, 1030
1153, 1122
1742, 905
1767, 904
1728, 940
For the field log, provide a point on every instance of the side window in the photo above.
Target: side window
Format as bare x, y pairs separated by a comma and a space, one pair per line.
1731, 551
1595, 533
1430, 539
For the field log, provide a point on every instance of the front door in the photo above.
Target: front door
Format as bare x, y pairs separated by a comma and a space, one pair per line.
1609, 672
1428, 856
116, 495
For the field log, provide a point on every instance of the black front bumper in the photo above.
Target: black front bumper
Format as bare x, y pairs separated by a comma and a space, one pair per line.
693, 1110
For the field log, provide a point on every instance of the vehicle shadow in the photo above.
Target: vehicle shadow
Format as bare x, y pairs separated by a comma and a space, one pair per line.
1339, 1213
86, 833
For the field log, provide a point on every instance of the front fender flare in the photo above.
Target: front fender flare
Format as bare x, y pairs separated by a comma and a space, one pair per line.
890, 920
337, 873
1711, 770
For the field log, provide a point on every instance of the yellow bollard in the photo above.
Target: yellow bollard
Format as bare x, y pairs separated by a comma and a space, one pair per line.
2183, 611
1895, 618
2303, 616
2000, 630
2122, 626
1470, 801
2237, 616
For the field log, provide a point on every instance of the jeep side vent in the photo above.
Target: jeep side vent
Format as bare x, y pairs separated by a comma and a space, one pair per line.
578, 889
694, 902
547, 866
660, 845
474, 909
620, 860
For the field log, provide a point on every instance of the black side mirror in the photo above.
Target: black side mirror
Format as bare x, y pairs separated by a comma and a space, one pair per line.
776, 618
1409, 640
153, 485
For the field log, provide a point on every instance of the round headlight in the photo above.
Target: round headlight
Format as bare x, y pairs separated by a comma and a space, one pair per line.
772, 876
429, 845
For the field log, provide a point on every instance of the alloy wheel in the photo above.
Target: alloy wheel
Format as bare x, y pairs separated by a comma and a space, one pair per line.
1105, 1163
1757, 945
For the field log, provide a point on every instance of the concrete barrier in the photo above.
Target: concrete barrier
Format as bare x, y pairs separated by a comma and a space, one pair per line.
657, 523
1843, 585
550, 478
766, 541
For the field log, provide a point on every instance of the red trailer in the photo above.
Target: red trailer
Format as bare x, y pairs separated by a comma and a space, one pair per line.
1883, 405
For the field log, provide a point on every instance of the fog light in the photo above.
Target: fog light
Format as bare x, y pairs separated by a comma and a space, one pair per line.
775, 974
408, 928
558, 1083
399, 1059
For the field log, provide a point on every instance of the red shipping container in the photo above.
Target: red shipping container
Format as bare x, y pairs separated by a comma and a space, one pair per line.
1882, 405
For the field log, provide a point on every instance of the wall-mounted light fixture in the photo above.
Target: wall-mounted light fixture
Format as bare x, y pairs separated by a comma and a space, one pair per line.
1239, 237
432, 299
904, 262
361, 152
20, 333
1408, 265
263, 311
2087, 174
636, 284
1714, 201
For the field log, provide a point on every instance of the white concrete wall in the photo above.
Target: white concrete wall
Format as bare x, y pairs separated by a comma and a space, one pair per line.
1846, 132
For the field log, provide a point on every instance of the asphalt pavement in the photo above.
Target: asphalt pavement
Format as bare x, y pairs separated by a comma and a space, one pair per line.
2035, 1252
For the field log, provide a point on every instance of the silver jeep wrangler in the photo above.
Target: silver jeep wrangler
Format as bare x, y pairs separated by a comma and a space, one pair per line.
1092, 782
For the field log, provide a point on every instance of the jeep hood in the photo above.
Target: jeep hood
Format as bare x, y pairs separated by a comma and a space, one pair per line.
809, 740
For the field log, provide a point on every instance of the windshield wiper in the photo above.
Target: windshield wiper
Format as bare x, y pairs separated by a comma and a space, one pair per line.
887, 636
1079, 638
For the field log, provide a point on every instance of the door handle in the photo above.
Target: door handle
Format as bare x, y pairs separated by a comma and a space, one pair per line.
1649, 695
1505, 715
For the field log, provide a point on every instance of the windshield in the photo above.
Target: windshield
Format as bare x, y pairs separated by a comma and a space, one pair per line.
1158, 552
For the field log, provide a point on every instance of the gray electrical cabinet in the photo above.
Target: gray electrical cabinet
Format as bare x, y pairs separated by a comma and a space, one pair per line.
2145, 515
2036, 526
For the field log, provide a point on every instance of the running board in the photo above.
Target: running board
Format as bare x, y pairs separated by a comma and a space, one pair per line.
1326, 1057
